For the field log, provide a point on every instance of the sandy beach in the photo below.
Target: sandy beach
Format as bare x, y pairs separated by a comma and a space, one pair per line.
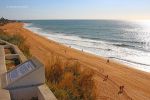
136, 83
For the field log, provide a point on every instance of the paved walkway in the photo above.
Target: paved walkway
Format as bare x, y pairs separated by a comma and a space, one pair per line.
4, 94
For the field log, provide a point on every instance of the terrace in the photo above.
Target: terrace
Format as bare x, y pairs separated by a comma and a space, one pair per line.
28, 86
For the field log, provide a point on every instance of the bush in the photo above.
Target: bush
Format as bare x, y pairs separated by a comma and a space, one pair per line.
86, 85
17, 40
55, 74
68, 82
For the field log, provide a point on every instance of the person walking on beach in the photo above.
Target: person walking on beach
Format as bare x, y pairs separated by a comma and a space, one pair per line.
105, 78
121, 89
107, 60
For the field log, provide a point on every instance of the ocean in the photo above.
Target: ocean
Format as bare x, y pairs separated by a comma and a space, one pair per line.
125, 41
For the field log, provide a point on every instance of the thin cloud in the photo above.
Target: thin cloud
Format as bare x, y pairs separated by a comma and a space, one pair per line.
16, 7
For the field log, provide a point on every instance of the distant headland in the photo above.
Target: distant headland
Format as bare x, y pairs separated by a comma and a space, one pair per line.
5, 21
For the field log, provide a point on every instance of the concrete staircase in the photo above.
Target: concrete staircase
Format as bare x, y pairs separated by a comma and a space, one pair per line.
32, 92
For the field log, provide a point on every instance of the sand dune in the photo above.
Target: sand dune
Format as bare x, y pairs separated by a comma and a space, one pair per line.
136, 83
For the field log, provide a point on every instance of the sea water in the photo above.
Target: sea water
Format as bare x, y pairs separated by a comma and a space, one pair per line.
125, 41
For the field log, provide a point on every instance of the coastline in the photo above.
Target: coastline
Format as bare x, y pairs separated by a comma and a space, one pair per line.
136, 82
130, 57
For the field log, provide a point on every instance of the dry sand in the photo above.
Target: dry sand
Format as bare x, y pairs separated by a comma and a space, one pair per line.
136, 83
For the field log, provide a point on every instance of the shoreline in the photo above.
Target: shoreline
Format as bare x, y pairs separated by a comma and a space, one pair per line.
102, 50
136, 82
89, 53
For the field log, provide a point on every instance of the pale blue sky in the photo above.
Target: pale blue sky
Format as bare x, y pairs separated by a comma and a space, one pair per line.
75, 9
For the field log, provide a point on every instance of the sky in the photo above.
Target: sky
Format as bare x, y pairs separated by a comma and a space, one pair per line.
75, 9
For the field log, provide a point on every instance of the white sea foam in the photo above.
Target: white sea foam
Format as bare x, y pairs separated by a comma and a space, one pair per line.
134, 58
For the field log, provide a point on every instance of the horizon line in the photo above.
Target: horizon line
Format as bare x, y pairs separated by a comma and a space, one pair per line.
89, 19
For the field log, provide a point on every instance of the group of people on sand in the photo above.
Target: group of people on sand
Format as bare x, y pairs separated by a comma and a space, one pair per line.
121, 88
70, 47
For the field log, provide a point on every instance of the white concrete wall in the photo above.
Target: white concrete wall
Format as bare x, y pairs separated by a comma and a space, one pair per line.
33, 78
23, 93
44, 93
